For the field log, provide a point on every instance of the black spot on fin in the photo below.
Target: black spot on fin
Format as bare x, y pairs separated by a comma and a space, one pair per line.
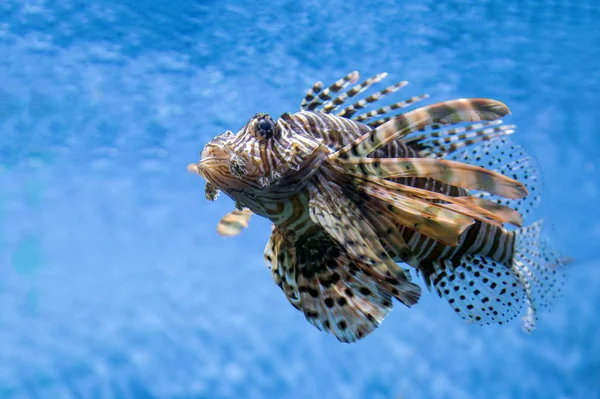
338, 295
542, 271
480, 290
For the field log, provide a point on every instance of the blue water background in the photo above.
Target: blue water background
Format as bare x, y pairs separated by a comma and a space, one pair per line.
113, 281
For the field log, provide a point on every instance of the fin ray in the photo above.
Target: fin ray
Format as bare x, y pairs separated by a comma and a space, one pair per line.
325, 95
280, 257
337, 296
349, 111
451, 172
344, 222
387, 109
333, 104
448, 112
480, 290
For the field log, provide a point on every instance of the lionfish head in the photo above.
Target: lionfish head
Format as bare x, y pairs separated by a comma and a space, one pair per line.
264, 155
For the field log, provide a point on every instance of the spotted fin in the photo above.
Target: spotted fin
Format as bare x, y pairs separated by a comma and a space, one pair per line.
335, 292
503, 156
448, 112
541, 270
486, 145
348, 227
486, 291
234, 222
480, 290
280, 257
336, 295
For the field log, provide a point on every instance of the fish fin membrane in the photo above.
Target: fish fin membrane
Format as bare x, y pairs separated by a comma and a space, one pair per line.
459, 174
234, 222
280, 257
450, 112
389, 232
502, 155
336, 293
541, 270
338, 296
489, 146
482, 290
479, 289
439, 141
346, 224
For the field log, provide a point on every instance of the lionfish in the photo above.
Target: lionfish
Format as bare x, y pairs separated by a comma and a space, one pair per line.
352, 194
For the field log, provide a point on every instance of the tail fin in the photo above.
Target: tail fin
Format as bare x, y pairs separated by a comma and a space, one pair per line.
540, 270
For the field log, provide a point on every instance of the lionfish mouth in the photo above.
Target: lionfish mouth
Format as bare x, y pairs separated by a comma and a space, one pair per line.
213, 157
202, 168
221, 169
204, 165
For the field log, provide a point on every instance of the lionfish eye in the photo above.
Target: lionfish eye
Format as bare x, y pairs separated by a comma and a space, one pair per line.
266, 127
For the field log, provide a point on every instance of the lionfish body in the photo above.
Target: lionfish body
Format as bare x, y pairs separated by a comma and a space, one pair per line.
350, 197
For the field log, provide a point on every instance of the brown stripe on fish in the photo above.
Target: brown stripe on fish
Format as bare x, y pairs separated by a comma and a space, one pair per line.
274, 208
432, 248
280, 148
498, 242
342, 129
272, 158
334, 131
509, 248
350, 130
265, 166
294, 211
306, 121
480, 240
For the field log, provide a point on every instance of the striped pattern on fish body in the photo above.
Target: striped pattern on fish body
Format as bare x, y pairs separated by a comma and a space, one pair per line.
350, 195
